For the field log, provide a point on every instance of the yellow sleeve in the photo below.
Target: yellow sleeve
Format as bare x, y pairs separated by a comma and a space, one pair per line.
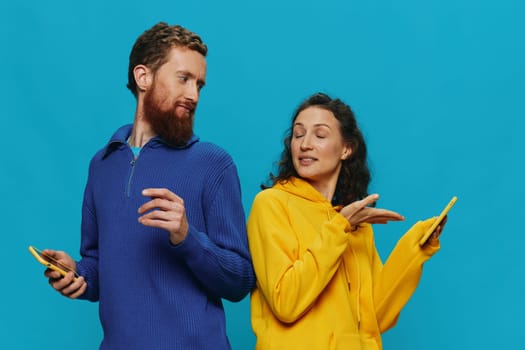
291, 281
396, 281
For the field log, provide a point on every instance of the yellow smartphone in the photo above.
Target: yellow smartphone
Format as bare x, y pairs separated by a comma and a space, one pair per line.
50, 262
438, 220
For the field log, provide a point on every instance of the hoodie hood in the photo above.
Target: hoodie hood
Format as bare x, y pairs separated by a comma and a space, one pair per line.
301, 188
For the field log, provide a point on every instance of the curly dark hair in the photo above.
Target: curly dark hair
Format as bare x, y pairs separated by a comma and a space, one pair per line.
153, 46
354, 178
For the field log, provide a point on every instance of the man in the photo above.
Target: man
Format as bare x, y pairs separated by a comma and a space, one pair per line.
163, 228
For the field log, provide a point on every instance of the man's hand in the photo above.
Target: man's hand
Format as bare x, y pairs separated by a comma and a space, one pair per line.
165, 210
359, 212
66, 285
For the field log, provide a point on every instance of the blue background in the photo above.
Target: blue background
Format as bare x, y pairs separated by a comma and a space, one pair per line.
437, 86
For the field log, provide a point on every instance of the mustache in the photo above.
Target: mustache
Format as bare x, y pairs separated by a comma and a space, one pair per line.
187, 104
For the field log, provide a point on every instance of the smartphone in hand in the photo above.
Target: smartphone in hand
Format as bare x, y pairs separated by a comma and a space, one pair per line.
438, 221
50, 262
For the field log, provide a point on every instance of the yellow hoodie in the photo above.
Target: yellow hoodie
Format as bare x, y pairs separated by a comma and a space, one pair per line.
321, 286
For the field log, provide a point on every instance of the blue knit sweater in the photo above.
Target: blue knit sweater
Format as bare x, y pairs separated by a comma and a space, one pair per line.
153, 295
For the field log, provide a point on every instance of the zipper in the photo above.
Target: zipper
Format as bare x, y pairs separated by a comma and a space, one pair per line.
133, 164
128, 189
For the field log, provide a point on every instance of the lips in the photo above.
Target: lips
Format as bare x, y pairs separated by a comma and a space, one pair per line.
305, 160
187, 106
185, 109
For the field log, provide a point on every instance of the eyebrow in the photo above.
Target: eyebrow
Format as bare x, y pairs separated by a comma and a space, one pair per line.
199, 81
315, 125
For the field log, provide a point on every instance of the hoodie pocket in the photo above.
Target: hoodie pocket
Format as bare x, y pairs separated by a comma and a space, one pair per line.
352, 341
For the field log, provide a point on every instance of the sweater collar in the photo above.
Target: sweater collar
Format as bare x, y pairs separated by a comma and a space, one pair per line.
121, 136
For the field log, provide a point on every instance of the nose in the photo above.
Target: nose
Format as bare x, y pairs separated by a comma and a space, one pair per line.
306, 142
192, 92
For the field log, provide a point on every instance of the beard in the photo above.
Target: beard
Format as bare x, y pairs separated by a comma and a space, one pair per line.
173, 128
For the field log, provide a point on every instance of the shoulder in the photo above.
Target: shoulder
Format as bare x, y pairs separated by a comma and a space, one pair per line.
116, 141
211, 152
270, 197
210, 148
270, 193
97, 157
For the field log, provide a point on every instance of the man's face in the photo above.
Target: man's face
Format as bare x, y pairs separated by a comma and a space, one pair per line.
170, 102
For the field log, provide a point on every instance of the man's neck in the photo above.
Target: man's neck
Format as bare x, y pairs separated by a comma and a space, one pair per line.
141, 133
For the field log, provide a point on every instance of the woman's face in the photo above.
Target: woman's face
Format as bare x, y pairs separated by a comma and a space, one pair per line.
318, 148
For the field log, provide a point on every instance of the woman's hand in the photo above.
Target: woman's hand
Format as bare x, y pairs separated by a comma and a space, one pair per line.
359, 212
437, 232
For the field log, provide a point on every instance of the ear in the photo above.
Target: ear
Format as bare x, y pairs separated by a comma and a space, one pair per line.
347, 152
143, 77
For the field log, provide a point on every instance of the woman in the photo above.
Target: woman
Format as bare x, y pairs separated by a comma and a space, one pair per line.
320, 281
